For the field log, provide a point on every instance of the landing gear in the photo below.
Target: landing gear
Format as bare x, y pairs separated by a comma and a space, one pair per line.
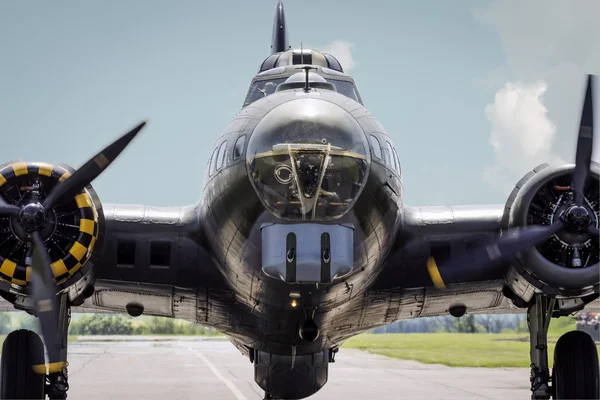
57, 383
539, 315
575, 374
22, 349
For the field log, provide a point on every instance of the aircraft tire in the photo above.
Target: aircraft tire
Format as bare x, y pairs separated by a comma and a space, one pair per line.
576, 372
21, 350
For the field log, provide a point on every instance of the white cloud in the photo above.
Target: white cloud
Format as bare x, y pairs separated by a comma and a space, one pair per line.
521, 133
550, 45
342, 50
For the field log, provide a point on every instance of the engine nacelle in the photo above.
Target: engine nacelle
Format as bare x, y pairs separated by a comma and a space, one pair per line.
567, 264
71, 230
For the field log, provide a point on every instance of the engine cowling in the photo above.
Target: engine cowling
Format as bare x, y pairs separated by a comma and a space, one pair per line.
566, 264
71, 230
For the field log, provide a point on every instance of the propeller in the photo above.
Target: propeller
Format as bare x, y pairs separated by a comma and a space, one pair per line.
8, 209
43, 284
576, 218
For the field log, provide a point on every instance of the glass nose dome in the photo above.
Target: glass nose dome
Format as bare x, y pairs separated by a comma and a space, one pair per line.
308, 159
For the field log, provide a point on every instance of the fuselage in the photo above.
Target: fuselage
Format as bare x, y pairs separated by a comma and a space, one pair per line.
241, 216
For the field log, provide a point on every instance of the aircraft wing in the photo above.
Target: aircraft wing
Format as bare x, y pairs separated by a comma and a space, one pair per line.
157, 256
440, 232
429, 238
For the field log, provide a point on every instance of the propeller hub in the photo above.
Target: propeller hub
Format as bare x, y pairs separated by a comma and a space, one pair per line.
577, 218
33, 217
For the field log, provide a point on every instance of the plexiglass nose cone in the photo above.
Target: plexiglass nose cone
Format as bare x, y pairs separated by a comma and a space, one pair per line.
308, 159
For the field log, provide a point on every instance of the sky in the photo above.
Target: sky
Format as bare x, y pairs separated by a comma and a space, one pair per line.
474, 93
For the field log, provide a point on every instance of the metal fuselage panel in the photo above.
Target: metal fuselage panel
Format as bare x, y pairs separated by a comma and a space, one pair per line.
233, 215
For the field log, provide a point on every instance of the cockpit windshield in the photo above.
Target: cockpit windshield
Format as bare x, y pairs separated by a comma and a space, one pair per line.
260, 89
264, 88
346, 88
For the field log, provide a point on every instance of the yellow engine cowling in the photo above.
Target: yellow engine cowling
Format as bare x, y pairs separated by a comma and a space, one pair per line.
71, 230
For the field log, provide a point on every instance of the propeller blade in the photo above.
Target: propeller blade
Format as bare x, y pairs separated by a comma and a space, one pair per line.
8, 209
90, 170
44, 295
480, 260
585, 141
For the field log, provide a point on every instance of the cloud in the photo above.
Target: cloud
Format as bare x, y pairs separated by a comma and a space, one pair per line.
521, 133
342, 50
549, 47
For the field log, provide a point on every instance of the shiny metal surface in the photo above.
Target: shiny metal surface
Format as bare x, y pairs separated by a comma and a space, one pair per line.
208, 263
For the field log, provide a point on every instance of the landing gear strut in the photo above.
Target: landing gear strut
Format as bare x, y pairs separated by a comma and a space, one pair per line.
539, 315
22, 350
576, 373
57, 383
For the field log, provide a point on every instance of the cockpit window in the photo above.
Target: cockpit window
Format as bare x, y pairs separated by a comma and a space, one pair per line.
264, 88
345, 87
260, 89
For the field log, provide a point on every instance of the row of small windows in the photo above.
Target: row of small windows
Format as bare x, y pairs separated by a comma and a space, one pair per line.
387, 154
160, 253
218, 157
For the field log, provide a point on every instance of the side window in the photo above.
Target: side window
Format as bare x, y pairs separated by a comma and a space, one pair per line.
398, 167
238, 149
213, 162
376, 146
387, 159
392, 160
221, 155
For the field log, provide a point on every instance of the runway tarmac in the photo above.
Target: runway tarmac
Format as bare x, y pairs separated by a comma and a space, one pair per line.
214, 369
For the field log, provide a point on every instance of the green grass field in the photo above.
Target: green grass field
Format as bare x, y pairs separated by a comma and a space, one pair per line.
458, 349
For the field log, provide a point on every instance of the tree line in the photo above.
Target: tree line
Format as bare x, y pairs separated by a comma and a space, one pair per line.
110, 324
469, 323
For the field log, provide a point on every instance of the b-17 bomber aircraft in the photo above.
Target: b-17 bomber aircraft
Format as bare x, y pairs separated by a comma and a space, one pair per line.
300, 241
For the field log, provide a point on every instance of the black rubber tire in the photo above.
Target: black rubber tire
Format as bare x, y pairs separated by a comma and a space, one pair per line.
21, 350
576, 372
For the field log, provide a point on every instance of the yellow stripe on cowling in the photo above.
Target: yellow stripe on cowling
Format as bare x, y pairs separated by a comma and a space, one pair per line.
59, 268
20, 168
92, 243
83, 200
8, 268
2, 180
18, 282
434, 273
78, 251
52, 368
87, 226
64, 176
46, 169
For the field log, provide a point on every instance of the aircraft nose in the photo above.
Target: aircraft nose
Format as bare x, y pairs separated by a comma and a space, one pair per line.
308, 159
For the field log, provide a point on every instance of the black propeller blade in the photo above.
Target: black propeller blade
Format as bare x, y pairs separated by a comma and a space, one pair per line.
585, 141
43, 284
90, 170
480, 260
575, 217
44, 294
8, 209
